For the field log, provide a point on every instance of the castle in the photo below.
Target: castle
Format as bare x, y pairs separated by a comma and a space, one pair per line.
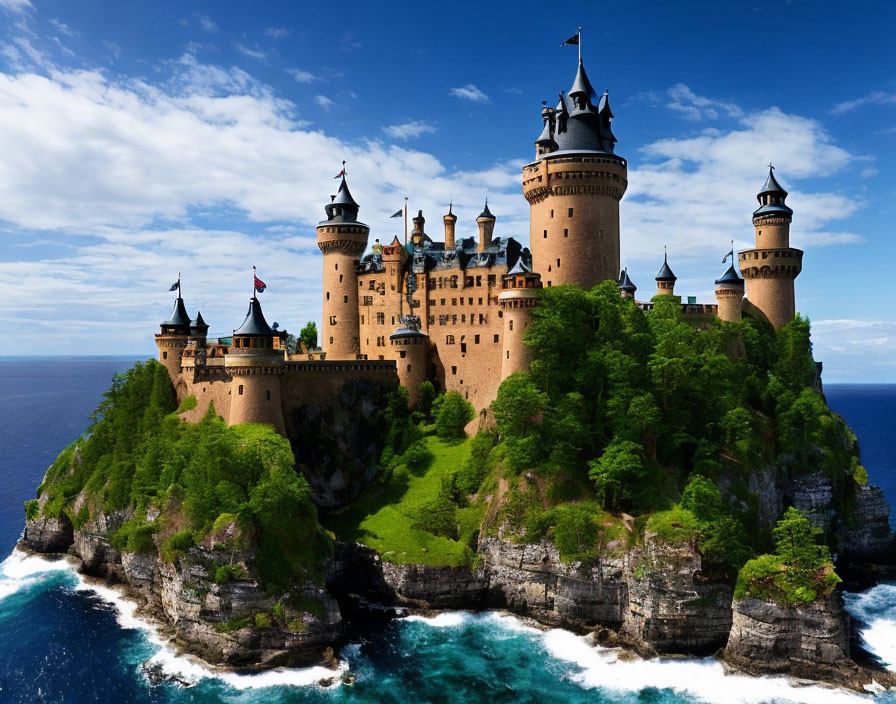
454, 310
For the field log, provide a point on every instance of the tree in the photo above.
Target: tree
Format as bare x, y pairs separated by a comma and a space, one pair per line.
425, 397
619, 473
795, 541
309, 335
453, 414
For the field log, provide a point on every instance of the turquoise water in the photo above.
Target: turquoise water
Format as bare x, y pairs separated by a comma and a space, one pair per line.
64, 640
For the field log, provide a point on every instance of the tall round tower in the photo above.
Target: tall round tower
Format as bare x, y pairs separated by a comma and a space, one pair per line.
342, 240
411, 349
171, 341
771, 267
730, 295
574, 187
519, 295
665, 279
255, 367
486, 223
450, 221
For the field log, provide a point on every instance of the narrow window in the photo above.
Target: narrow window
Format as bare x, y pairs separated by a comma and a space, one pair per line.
241, 390
336, 266
511, 324
476, 339
508, 354
570, 212
496, 338
552, 213
331, 339
164, 354
328, 295
409, 367
565, 232
454, 370
269, 394
340, 278
345, 299
545, 234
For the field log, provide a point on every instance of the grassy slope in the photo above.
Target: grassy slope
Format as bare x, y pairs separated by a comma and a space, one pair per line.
383, 516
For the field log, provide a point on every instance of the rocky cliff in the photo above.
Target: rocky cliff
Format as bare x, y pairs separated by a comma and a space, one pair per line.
234, 624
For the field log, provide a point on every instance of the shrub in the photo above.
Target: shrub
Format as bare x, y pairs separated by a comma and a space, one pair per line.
453, 415
188, 404
234, 624
262, 620
417, 456
470, 476
230, 573
674, 526
135, 536
426, 395
177, 545
437, 517
32, 509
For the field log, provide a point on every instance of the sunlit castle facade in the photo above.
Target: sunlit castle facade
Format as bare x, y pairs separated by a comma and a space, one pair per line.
454, 309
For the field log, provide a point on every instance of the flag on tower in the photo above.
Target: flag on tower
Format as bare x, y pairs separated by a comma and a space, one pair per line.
574, 39
260, 285
341, 173
396, 215
175, 286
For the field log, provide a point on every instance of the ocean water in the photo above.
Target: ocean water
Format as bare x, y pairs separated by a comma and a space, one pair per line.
63, 639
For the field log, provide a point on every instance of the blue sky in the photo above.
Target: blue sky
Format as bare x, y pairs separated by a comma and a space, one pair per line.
142, 139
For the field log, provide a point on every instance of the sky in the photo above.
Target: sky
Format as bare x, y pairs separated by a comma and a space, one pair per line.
139, 140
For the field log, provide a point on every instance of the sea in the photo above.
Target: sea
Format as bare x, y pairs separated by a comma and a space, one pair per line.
63, 639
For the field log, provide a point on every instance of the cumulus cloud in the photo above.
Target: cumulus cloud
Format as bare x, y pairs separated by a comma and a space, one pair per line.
409, 130
299, 75
691, 106
324, 102
206, 22
877, 97
849, 348
470, 92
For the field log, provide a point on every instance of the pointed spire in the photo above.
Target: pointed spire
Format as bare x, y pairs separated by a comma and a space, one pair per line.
665, 272
450, 214
343, 195
582, 86
254, 323
730, 277
486, 213
771, 183
772, 198
625, 283
179, 316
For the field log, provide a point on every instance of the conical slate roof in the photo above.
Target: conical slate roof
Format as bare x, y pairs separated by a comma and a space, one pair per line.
344, 196
198, 322
520, 267
486, 213
665, 273
771, 184
771, 198
581, 84
179, 316
730, 277
254, 324
625, 283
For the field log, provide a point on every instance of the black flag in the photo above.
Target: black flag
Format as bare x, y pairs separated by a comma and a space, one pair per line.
396, 215
175, 286
574, 39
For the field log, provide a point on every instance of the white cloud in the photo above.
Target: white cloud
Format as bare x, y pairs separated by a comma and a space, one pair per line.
470, 92
868, 172
324, 102
877, 97
63, 28
277, 32
256, 54
206, 22
681, 99
114, 48
16, 5
850, 348
409, 130
299, 75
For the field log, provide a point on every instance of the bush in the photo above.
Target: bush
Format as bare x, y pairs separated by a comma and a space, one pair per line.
188, 404
177, 545
453, 415
32, 509
437, 517
230, 573
417, 456
234, 624
674, 526
470, 476
426, 395
262, 620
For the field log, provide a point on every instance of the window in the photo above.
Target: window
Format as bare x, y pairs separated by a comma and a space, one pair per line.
402, 354
600, 234
480, 301
471, 301
336, 266
269, 394
552, 213
508, 354
164, 354
240, 391
409, 367
496, 338
340, 278
463, 347
491, 279
454, 370
331, 339
393, 320
442, 302
604, 262
328, 295
511, 324
545, 234
558, 263
380, 318
449, 339
345, 299
479, 280
565, 232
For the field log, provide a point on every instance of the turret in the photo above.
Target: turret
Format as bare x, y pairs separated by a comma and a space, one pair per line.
450, 220
770, 268
171, 341
486, 222
730, 295
518, 297
411, 349
665, 279
342, 240
626, 287
255, 367
573, 188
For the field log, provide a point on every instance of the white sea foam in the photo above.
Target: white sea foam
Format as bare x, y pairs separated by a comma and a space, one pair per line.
20, 571
876, 608
446, 619
704, 679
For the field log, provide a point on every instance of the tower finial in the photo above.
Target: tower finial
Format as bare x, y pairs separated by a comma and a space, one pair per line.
770, 167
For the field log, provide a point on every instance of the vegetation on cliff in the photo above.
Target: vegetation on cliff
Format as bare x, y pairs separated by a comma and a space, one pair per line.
798, 572
140, 457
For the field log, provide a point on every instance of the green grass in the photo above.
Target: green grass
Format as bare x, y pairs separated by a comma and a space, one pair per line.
384, 515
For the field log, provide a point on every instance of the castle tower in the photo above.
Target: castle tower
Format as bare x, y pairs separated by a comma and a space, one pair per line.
171, 341
574, 187
450, 221
486, 223
519, 295
255, 367
626, 287
194, 355
730, 295
341, 239
770, 268
665, 279
411, 349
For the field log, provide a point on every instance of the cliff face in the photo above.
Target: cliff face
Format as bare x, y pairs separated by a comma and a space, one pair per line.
236, 624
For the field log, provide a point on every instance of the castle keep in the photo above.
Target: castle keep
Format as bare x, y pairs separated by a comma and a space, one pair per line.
452, 309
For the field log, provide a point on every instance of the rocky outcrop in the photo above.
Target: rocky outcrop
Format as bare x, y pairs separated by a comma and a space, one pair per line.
867, 535
673, 606
236, 623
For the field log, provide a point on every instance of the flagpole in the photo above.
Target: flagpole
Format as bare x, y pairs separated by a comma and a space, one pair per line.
580, 45
180, 288
405, 222
253, 281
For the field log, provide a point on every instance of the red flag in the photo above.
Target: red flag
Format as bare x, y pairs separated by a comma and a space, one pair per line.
260, 285
341, 173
